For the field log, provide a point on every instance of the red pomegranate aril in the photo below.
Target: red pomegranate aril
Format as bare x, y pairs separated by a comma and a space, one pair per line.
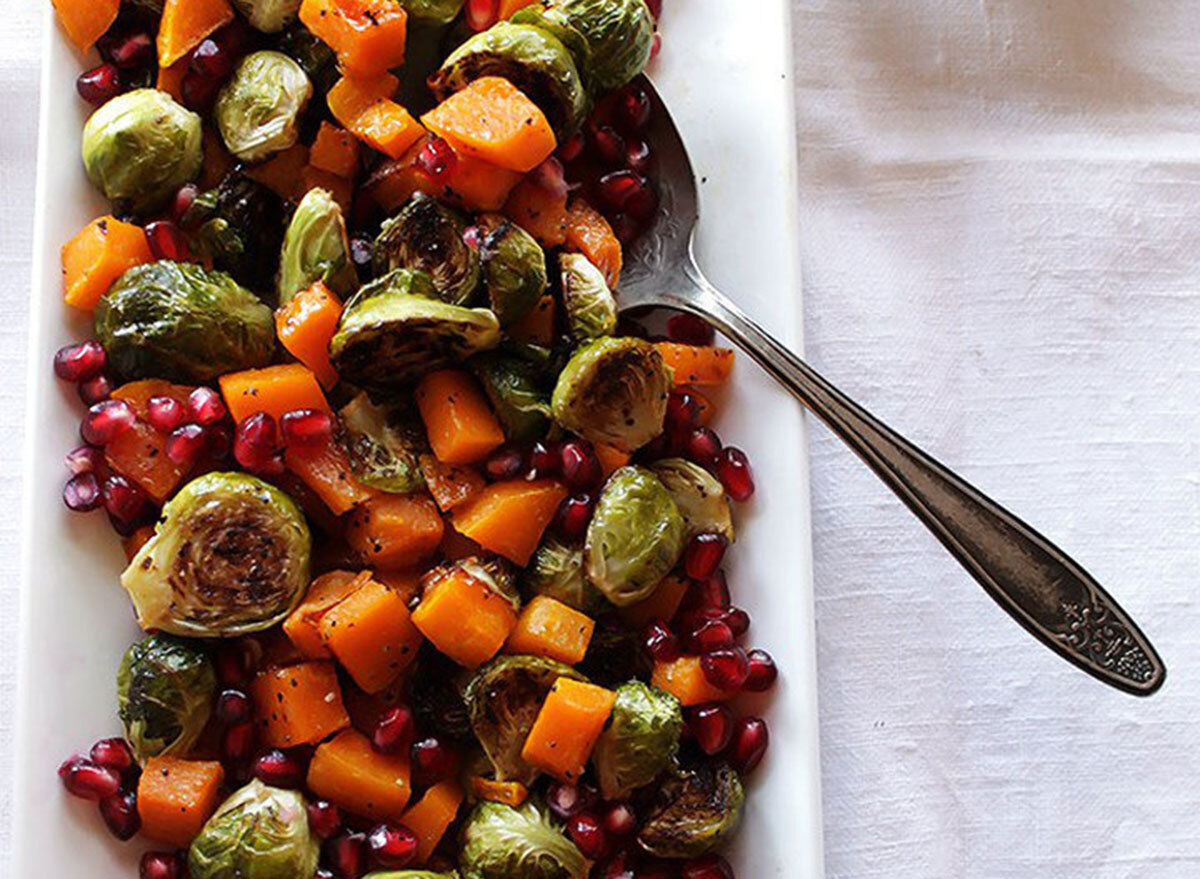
633, 108
690, 329
432, 761
161, 865
114, 754
256, 442
703, 555
751, 739
661, 643
655, 45
277, 769
84, 459
763, 672
546, 459
165, 413
737, 620
182, 203
198, 91
709, 635
507, 462
306, 427
392, 848
572, 148
711, 593
82, 493
726, 669
437, 159
167, 241
361, 252
99, 85
620, 821
220, 441
95, 390
585, 831
702, 447
573, 517
233, 707
136, 50
206, 406
642, 204
607, 145
617, 867
120, 815
472, 236
238, 743
211, 61
711, 727
324, 818
482, 14
84, 779
235, 663
395, 731
186, 444
124, 501
551, 177
655, 7
617, 188
346, 855
683, 412
707, 867
78, 363
580, 467
567, 800
637, 156
105, 421
733, 469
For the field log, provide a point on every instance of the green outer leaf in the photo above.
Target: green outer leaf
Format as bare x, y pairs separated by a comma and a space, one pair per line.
556, 571
591, 307
514, 269
382, 454
500, 842
432, 12
165, 690
640, 742
260, 832
513, 387
316, 248
258, 110
619, 34
427, 236
699, 496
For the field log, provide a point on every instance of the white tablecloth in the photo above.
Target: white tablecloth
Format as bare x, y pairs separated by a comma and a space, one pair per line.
1001, 228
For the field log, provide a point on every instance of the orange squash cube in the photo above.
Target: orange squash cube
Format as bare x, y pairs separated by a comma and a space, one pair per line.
491, 119
464, 619
571, 720
176, 797
429, 817
367, 35
103, 251
298, 705
303, 625
547, 627
509, 518
372, 635
684, 679
351, 774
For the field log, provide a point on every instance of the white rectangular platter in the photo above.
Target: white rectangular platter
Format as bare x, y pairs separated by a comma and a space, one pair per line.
726, 72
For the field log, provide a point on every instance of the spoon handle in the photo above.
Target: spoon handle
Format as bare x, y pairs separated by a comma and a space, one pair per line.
1037, 583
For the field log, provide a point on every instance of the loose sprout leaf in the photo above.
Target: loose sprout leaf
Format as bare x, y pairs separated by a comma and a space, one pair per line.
383, 447
590, 305
514, 269
316, 248
556, 571
514, 387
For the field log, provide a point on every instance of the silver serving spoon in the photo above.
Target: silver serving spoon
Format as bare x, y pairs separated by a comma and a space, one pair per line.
1036, 582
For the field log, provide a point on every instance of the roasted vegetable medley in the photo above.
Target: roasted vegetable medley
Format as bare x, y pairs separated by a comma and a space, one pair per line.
425, 541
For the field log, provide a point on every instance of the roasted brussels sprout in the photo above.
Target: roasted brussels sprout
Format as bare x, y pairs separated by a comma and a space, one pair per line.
428, 236
615, 654
619, 35
316, 248
382, 446
269, 16
635, 536
590, 305
164, 695
500, 842
698, 495
555, 22
533, 59
411, 874
696, 812
313, 54
514, 268
258, 110
178, 322
388, 339
438, 696
229, 556
614, 390
640, 742
239, 225
432, 12
258, 833
404, 281
514, 387
504, 699
556, 571
140, 147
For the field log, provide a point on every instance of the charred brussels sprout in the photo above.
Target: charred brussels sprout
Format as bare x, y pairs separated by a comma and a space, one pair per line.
432, 12
554, 22
615, 654
389, 339
239, 226
641, 740
230, 556
258, 833
178, 322
438, 696
532, 59
404, 281
500, 842
698, 495
514, 269
258, 110
316, 248
504, 699
635, 536
590, 305
619, 35
428, 236
269, 16
140, 147
614, 391
382, 447
411, 874
696, 812
514, 387
164, 695
556, 571
318, 60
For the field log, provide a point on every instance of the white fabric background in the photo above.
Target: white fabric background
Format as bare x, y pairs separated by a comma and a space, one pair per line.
1001, 235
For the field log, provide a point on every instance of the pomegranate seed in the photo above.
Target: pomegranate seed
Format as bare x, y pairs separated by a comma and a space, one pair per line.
572, 148
124, 501
620, 820
471, 236
392, 847
256, 442
395, 731
733, 469
99, 85
437, 159
573, 517
324, 818
277, 769
482, 14
546, 459
709, 635
167, 241
661, 643
690, 329
235, 663
120, 815
106, 421
233, 707
507, 462
82, 493
707, 867
347, 855
165, 413
432, 761
627, 229
306, 427
186, 444
737, 620
114, 754
763, 672
161, 865
655, 7
211, 61
633, 108
566, 800
637, 156
95, 390
136, 50
580, 466
585, 831
206, 406
618, 867
84, 779
642, 204
712, 592
84, 459
78, 363
726, 669
703, 555
182, 203
220, 441
702, 447
198, 92
617, 188
712, 727
238, 743
551, 177
683, 412
607, 145
750, 741
656, 45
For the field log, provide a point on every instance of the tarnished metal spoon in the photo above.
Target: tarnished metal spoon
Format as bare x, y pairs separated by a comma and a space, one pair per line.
1043, 589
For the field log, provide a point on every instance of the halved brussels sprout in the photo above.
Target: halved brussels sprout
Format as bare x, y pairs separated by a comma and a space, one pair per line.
614, 390
258, 833
504, 699
140, 147
514, 387
409, 282
635, 536
387, 339
428, 236
696, 812
640, 742
556, 571
514, 268
178, 322
165, 690
316, 248
590, 305
439, 686
619, 34
258, 110
432, 12
411, 874
313, 54
532, 59
239, 225
269, 16
229, 556
698, 495
382, 446
500, 842
554, 22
